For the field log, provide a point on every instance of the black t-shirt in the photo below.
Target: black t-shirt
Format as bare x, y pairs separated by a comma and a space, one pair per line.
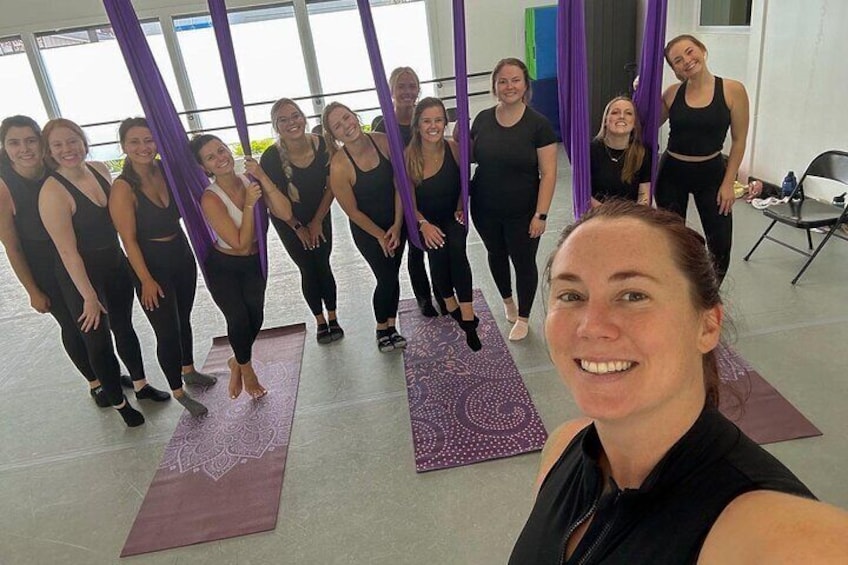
311, 181
606, 165
506, 182
405, 130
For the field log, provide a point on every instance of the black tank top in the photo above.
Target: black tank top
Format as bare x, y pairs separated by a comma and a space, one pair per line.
698, 131
668, 518
24, 194
438, 195
92, 223
151, 220
374, 190
311, 183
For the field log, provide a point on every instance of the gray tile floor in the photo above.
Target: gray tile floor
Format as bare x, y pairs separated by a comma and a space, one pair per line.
72, 477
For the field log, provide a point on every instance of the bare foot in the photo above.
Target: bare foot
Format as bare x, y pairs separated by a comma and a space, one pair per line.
235, 378
251, 382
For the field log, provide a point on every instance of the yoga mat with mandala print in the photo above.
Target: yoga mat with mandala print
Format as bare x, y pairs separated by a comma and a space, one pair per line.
221, 475
465, 407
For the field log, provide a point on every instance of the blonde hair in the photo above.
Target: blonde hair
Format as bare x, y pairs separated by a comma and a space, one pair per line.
332, 143
634, 153
283, 151
414, 153
397, 72
55, 124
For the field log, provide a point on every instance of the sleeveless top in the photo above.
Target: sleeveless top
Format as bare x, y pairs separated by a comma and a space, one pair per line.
92, 223
151, 220
437, 195
24, 194
232, 210
698, 131
374, 190
665, 520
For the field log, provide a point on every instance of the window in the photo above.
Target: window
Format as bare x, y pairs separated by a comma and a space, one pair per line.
20, 96
343, 58
270, 64
725, 13
92, 84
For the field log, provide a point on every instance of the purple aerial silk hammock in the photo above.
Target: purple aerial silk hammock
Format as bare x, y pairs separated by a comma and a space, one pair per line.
221, 25
392, 128
574, 99
648, 97
185, 177
461, 131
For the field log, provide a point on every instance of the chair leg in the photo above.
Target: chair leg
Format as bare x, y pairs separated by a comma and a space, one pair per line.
812, 256
809, 241
762, 237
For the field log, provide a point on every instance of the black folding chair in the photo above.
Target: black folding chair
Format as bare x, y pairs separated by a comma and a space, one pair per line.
808, 213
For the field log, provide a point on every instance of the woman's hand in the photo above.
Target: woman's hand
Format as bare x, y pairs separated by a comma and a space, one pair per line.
303, 235
253, 168
459, 216
151, 292
726, 198
537, 227
433, 236
252, 194
91, 311
39, 301
316, 233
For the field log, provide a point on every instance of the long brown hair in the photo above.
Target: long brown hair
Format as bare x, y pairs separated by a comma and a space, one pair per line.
414, 153
128, 173
18, 121
689, 254
528, 94
634, 153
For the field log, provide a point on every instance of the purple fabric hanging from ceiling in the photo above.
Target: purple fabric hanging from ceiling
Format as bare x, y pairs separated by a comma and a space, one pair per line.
221, 25
392, 129
461, 133
648, 97
574, 99
185, 177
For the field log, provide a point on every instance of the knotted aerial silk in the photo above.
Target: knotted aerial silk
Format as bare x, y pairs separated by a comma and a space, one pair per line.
573, 91
221, 25
392, 129
185, 177
461, 130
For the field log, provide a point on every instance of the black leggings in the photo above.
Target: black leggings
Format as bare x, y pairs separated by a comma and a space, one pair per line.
418, 274
42, 258
109, 274
172, 266
509, 239
449, 264
385, 269
676, 180
238, 288
316, 276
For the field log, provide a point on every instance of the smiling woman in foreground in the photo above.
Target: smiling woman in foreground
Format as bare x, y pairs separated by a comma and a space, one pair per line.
654, 473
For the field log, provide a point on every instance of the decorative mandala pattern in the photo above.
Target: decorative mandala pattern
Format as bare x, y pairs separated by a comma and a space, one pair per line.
465, 407
235, 432
731, 366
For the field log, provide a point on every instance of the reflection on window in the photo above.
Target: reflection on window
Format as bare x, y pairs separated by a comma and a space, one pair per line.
343, 58
725, 13
270, 64
91, 81
19, 94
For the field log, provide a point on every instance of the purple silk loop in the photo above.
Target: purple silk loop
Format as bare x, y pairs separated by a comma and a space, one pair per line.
461, 131
574, 99
392, 129
221, 25
648, 97
185, 177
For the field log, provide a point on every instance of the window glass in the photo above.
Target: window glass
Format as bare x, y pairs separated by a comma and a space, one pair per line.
725, 13
20, 96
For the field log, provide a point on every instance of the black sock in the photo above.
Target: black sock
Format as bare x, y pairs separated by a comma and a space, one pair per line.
131, 416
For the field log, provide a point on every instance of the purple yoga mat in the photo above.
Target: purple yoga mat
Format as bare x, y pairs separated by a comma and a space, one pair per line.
764, 415
465, 407
221, 475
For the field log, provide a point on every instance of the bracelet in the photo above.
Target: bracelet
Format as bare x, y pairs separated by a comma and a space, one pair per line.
540, 216
422, 222
297, 226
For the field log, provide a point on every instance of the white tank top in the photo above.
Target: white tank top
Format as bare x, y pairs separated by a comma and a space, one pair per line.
232, 210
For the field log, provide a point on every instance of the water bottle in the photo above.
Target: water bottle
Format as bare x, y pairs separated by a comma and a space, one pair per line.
789, 184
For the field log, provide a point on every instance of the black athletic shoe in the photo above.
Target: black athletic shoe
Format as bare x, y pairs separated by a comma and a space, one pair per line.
323, 334
154, 394
336, 330
99, 396
426, 308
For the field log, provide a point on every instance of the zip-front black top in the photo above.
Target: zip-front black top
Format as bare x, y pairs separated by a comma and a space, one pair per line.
665, 520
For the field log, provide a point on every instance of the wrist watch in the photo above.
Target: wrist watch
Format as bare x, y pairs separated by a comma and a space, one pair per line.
540, 216
297, 226
422, 222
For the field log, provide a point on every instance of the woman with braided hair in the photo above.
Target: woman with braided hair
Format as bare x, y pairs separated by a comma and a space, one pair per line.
298, 164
